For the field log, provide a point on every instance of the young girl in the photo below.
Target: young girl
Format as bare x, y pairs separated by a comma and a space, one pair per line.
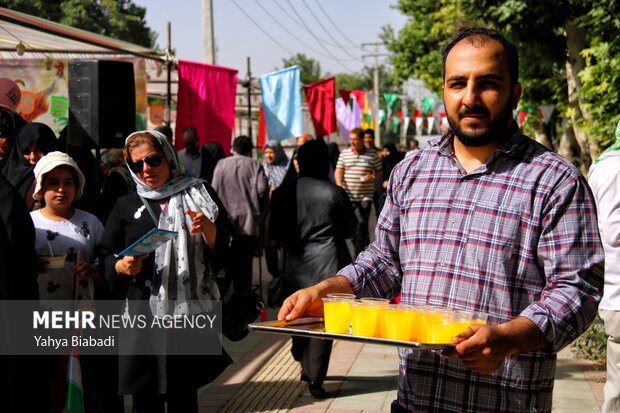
63, 232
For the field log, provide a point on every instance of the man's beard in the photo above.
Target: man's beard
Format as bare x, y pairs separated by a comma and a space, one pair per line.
492, 133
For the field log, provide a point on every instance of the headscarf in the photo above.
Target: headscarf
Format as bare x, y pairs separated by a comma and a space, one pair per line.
313, 160
18, 171
181, 284
276, 170
334, 153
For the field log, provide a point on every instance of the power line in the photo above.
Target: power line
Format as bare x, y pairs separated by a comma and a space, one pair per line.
326, 31
300, 23
261, 29
316, 38
293, 35
335, 25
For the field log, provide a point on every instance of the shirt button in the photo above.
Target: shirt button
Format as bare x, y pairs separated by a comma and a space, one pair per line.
453, 220
442, 263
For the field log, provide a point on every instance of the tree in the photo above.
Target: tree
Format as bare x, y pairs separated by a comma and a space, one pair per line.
309, 68
364, 80
119, 19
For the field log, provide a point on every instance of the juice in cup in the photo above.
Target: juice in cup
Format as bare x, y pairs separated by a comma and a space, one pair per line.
460, 321
416, 323
398, 322
364, 318
381, 302
436, 324
337, 315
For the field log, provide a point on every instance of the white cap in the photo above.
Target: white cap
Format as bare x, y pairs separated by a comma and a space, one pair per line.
53, 160
10, 95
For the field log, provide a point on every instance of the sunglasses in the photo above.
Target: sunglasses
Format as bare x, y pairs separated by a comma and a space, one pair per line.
152, 161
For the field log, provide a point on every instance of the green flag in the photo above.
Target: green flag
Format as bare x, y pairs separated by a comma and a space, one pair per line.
427, 104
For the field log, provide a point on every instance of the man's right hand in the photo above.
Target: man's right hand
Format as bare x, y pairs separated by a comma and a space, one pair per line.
303, 302
129, 265
309, 301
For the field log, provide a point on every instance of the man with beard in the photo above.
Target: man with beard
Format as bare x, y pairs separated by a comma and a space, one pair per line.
482, 220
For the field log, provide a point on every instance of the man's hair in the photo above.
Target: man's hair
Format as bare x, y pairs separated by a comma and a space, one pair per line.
191, 129
359, 132
166, 130
478, 36
242, 145
370, 132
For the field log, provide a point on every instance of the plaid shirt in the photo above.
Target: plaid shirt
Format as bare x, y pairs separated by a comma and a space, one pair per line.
516, 237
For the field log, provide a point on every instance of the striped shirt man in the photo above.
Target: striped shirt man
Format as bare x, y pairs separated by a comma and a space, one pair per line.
515, 237
357, 168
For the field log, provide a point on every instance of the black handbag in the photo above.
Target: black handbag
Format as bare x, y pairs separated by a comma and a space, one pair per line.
239, 310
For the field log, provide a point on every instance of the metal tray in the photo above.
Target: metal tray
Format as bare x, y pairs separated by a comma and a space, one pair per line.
314, 327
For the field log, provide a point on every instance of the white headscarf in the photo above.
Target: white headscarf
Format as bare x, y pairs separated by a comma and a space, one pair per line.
182, 283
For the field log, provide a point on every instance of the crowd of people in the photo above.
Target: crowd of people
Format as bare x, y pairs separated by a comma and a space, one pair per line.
483, 219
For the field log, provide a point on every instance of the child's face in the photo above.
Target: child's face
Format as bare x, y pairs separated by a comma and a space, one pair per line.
59, 188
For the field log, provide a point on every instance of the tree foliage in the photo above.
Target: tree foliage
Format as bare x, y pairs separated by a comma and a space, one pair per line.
119, 19
364, 80
309, 68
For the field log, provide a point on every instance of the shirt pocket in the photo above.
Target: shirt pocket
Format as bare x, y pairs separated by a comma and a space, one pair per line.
495, 227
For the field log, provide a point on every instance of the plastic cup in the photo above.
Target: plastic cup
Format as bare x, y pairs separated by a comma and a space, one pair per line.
54, 262
382, 303
364, 318
398, 322
460, 321
479, 318
436, 323
337, 315
416, 323
341, 295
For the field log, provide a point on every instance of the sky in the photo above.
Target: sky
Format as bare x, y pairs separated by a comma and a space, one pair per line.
268, 31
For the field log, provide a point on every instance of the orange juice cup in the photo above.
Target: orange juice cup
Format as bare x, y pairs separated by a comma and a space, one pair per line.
416, 322
381, 302
337, 315
479, 318
398, 322
436, 325
460, 321
364, 318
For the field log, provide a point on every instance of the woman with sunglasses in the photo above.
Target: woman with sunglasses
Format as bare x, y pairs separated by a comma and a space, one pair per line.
32, 142
173, 278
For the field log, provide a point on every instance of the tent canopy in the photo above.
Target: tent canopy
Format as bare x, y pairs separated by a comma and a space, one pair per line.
44, 38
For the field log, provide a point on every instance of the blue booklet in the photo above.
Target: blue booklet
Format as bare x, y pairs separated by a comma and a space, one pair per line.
149, 242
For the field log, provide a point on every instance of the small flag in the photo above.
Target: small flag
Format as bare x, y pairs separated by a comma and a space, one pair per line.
280, 91
75, 395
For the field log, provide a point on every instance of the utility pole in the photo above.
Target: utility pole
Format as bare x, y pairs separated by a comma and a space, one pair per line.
208, 32
168, 72
248, 85
375, 109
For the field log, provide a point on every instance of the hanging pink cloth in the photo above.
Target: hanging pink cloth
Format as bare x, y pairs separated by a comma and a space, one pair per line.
206, 101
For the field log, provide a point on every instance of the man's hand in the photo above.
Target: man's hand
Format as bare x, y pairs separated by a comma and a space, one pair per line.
303, 302
309, 300
483, 348
130, 265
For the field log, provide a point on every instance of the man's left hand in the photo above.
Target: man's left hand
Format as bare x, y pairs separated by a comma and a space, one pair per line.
483, 348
